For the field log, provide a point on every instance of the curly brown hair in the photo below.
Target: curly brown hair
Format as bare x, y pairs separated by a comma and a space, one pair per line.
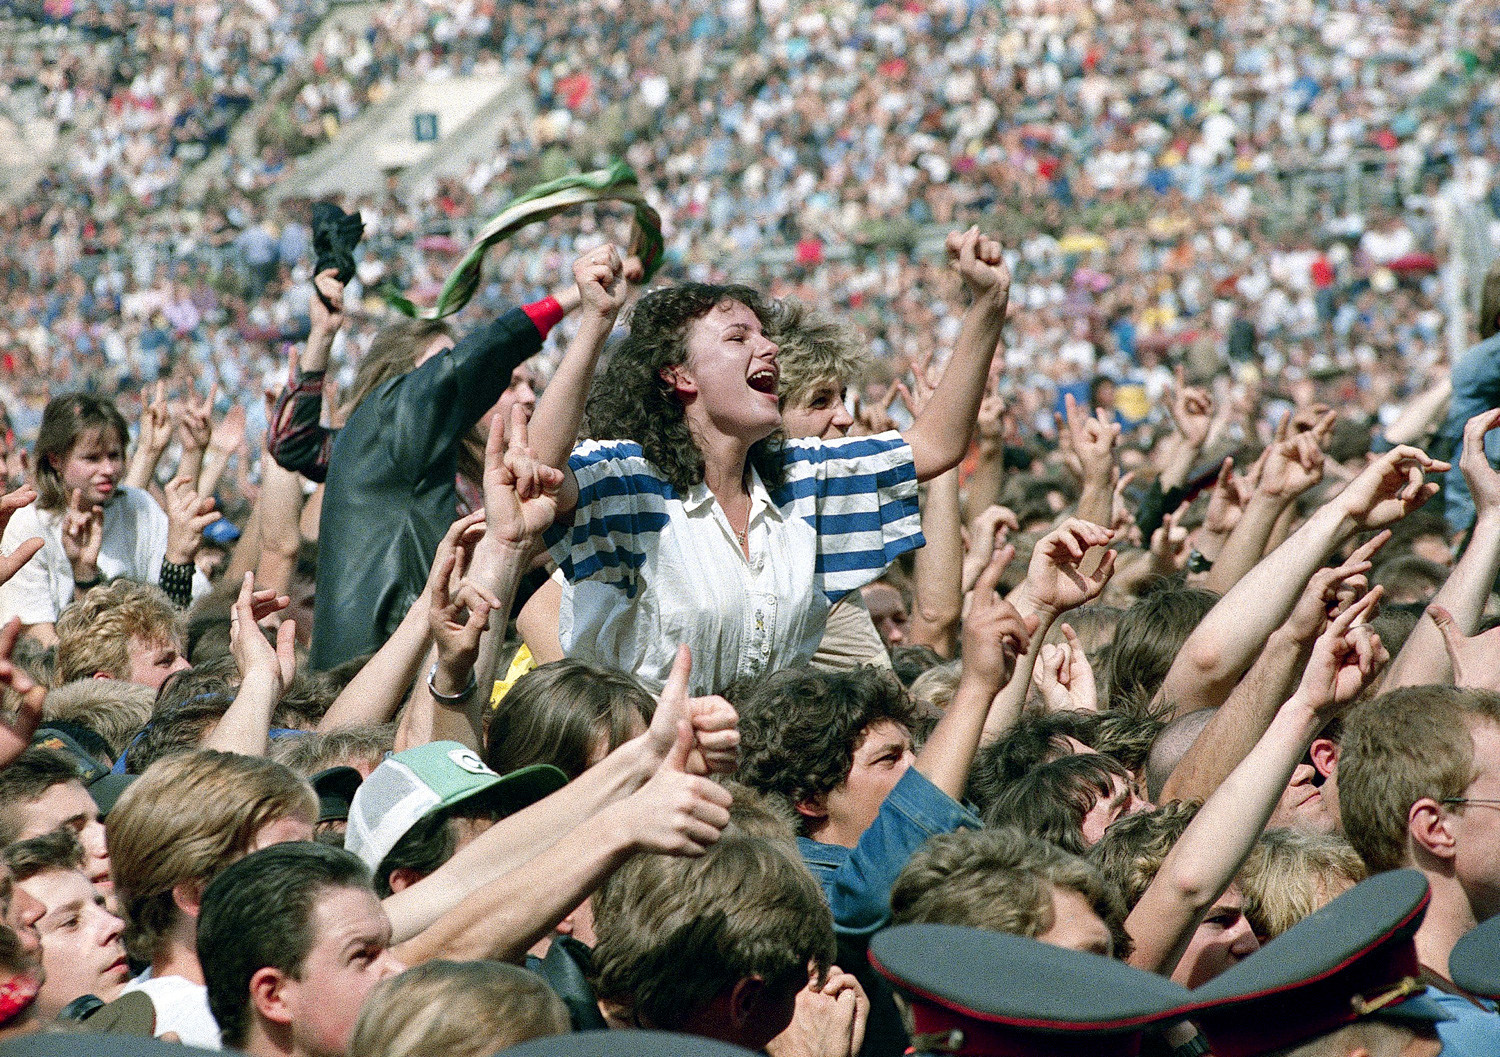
800, 727
631, 400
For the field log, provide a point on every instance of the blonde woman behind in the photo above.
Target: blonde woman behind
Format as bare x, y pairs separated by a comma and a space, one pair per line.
457, 1009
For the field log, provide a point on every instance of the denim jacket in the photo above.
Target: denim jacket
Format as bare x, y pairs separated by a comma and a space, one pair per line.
1476, 388
857, 881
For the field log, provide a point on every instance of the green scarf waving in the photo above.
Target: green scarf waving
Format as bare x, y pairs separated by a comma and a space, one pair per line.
616, 183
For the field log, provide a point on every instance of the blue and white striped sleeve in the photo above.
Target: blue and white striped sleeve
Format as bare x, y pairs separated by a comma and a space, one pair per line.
860, 495
621, 510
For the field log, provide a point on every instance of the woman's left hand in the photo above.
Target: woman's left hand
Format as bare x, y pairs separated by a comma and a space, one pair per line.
601, 281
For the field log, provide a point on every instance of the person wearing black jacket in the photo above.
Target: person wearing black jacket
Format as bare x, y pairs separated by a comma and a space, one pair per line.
389, 472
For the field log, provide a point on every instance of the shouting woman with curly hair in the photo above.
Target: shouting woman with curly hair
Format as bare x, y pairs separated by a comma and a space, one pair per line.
689, 519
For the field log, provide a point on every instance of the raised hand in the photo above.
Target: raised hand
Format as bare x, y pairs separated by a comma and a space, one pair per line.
994, 632
229, 432
1390, 488
11, 563
1065, 677
712, 721
869, 419
1330, 591
1473, 657
195, 420
601, 281
980, 260
986, 534
16, 730
1484, 481
156, 420
82, 536
252, 654
1169, 543
520, 492
457, 617
1054, 582
1317, 419
677, 811
1227, 501
1192, 410
188, 514
326, 313
1292, 466
1088, 442
1345, 659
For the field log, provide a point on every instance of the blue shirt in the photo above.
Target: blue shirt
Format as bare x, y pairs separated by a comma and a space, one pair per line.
857, 881
1473, 1032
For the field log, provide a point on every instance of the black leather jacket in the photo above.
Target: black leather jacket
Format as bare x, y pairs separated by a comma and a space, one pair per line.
389, 495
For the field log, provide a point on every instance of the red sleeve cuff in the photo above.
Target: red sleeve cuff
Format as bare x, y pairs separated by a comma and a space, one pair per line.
544, 314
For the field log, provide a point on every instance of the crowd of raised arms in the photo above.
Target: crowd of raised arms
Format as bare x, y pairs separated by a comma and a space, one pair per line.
1019, 579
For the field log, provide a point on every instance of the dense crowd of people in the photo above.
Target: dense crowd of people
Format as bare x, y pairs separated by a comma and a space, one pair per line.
1021, 578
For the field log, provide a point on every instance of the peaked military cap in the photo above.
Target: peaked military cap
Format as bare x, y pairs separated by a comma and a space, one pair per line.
990, 994
625, 1044
1475, 961
1352, 959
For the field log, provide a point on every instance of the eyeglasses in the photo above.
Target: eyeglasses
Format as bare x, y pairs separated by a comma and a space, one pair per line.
1467, 800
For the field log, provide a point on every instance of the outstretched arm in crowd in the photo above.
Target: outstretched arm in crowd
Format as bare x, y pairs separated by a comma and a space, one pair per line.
153, 434
1055, 583
988, 478
280, 505
224, 440
188, 514
265, 672
1088, 445
1208, 855
937, 576
1423, 658
602, 285
1240, 723
1220, 650
520, 503
940, 435
296, 438
994, 635
194, 421
446, 705
517, 839
1292, 465
676, 812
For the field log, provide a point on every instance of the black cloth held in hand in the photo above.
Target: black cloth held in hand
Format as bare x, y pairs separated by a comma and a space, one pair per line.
335, 236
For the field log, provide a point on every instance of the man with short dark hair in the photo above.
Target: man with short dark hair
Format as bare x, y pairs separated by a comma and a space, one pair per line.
291, 940
41, 791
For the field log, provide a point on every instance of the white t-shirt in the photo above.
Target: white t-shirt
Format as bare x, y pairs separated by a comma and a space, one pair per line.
181, 1007
135, 542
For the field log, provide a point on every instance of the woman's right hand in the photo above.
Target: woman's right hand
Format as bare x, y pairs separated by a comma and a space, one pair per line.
601, 281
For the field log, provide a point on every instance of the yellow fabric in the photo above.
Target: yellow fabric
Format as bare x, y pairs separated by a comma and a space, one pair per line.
520, 664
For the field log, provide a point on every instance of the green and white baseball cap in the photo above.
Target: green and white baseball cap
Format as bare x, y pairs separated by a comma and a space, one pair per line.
408, 786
